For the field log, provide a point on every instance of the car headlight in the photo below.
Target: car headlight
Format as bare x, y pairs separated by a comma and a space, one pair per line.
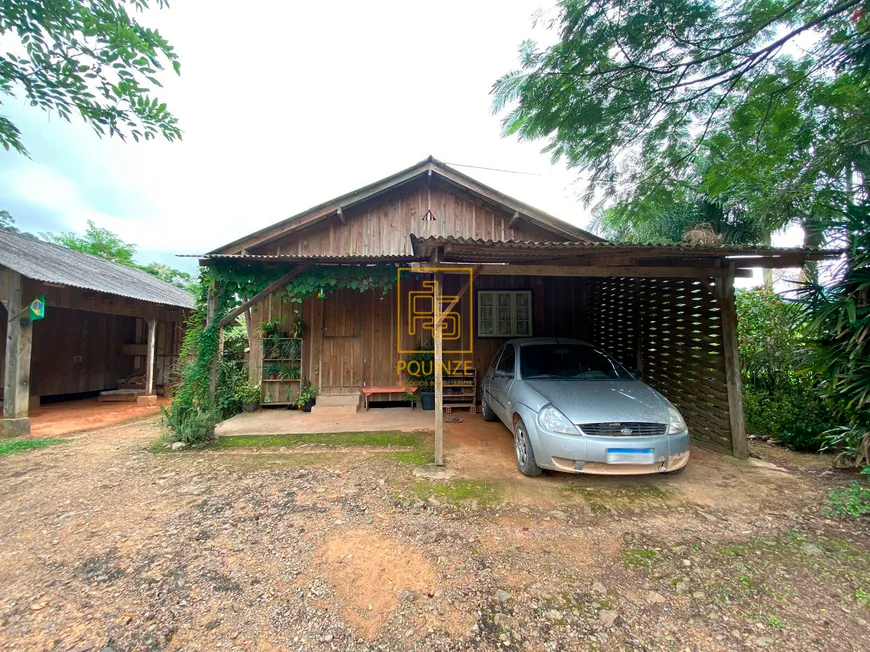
552, 420
676, 423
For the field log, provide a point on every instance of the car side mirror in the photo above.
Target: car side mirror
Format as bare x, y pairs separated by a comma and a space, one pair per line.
637, 373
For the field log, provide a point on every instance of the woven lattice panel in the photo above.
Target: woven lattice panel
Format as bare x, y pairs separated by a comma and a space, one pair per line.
679, 331
612, 318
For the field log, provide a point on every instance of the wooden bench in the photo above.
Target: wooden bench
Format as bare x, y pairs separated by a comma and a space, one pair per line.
368, 391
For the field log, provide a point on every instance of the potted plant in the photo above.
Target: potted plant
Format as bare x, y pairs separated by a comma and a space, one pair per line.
297, 326
270, 329
271, 370
290, 349
307, 397
422, 373
248, 395
410, 397
289, 372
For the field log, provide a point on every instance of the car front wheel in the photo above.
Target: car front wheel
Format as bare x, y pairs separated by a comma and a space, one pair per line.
524, 453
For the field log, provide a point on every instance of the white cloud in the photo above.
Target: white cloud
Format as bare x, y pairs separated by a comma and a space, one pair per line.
284, 105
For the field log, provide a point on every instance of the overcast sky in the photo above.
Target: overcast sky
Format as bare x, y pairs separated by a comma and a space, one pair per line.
285, 105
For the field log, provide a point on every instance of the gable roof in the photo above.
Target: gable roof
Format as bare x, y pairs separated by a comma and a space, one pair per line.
51, 263
429, 166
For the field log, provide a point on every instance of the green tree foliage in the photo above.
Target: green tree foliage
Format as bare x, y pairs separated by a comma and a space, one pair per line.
782, 400
7, 222
171, 275
97, 242
106, 244
85, 57
759, 106
838, 317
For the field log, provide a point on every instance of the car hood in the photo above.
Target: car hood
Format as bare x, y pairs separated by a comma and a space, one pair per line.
604, 401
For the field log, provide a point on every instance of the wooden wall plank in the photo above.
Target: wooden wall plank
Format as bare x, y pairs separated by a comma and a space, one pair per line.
383, 227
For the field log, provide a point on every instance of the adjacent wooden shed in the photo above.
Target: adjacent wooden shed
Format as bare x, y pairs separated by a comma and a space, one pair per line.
505, 269
103, 322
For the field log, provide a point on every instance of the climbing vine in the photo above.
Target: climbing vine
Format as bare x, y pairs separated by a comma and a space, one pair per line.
194, 411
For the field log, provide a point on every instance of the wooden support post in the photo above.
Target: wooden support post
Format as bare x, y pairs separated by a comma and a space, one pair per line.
19, 337
152, 343
724, 293
150, 398
439, 379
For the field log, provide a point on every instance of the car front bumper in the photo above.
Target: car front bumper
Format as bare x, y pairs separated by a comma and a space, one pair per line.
611, 455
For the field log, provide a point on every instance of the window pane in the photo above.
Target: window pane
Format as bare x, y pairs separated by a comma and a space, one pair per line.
486, 298
523, 328
506, 363
522, 313
504, 328
504, 299
522, 299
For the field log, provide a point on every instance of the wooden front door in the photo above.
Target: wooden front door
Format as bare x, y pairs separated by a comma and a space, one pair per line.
341, 364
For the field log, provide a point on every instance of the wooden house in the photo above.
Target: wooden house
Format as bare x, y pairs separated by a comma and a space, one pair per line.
103, 322
504, 269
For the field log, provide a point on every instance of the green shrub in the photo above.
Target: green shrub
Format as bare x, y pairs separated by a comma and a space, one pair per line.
198, 429
781, 400
851, 443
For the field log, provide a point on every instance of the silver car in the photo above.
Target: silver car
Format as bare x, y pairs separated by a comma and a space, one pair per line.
572, 407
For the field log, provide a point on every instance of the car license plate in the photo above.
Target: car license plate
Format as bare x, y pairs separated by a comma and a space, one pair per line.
630, 456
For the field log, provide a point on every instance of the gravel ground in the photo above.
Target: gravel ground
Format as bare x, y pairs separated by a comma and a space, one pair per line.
109, 546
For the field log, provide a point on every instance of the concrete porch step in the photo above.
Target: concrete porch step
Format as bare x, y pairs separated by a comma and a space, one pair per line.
336, 404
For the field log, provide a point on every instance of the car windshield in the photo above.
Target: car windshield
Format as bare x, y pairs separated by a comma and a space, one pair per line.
569, 361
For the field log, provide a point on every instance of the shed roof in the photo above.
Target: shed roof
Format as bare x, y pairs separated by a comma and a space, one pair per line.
50, 263
458, 249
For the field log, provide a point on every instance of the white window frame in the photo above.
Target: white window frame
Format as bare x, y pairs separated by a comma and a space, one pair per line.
494, 320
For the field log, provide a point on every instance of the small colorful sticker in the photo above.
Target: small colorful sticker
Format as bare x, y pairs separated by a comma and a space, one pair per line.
37, 308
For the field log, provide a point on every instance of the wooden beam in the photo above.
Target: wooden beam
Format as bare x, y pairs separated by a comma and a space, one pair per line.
341, 215
233, 314
723, 290
19, 337
439, 379
514, 219
149, 358
489, 269
461, 292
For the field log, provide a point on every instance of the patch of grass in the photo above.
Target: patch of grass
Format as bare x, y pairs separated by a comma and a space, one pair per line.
458, 491
9, 446
734, 551
418, 457
329, 439
775, 623
640, 557
853, 501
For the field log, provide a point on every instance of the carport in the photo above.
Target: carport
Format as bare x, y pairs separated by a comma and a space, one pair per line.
73, 325
665, 310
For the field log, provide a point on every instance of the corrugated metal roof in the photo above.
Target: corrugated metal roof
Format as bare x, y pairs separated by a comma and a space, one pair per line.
50, 263
473, 249
338, 258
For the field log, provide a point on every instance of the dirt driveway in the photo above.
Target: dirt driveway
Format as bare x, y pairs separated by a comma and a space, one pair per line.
105, 545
